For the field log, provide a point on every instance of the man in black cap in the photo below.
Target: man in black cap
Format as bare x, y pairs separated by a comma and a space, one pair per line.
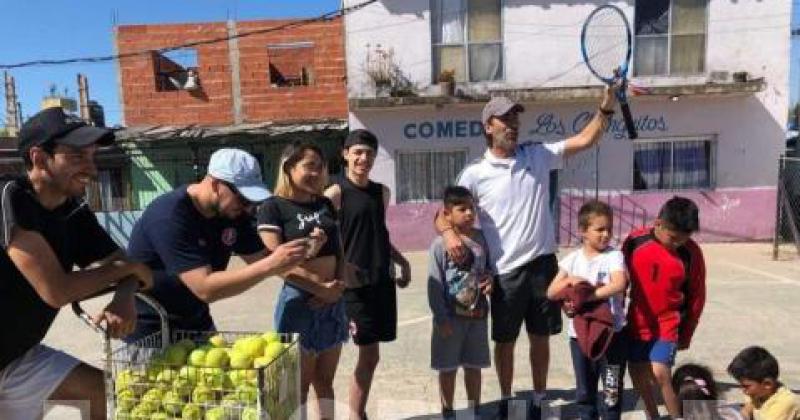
511, 184
370, 297
46, 229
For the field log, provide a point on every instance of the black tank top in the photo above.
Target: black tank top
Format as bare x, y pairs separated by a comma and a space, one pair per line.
364, 233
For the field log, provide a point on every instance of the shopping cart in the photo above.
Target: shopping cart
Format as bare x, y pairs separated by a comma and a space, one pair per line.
143, 381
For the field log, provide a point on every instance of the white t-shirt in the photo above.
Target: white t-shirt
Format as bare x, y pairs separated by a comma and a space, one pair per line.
513, 197
597, 271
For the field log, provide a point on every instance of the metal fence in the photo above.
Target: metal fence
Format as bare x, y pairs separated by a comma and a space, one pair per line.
628, 215
787, 211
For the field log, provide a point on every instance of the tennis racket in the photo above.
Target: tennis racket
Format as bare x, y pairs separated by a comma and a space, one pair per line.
606, 49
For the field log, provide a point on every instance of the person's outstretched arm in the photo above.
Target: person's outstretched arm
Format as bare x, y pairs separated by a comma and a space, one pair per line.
593, 131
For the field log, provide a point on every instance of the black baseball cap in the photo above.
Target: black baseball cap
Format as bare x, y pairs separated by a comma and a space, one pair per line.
53, 124
361, 136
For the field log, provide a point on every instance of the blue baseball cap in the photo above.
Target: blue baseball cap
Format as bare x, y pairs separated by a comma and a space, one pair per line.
241, 170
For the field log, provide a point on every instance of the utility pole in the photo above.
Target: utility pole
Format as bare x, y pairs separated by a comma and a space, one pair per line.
13, 119
83, 97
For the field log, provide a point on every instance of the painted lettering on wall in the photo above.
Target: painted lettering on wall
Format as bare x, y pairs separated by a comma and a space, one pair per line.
544, 124
443, 129
550, 124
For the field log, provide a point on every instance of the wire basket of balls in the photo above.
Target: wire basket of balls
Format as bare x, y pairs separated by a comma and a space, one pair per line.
201, 375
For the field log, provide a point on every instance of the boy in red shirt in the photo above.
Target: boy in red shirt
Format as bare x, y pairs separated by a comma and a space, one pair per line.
668, 292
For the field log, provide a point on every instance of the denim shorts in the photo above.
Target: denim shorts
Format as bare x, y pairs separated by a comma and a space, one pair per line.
319, 329
652, 351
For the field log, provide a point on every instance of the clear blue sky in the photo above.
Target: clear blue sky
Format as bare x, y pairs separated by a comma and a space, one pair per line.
56, 29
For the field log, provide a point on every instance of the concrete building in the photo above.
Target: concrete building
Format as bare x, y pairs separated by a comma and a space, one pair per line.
711, 125
256, 85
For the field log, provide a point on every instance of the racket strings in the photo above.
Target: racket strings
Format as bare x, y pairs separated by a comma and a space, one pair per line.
606, 43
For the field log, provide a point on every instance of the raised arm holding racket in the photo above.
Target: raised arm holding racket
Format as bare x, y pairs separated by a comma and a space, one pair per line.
606, 49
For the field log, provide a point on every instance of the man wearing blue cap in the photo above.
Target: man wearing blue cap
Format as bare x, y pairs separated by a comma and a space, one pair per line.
188, 235
55, 253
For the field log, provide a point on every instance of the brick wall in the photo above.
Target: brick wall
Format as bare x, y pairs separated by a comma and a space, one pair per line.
324, 98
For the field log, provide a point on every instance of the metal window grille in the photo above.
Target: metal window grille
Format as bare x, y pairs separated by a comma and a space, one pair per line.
423, 175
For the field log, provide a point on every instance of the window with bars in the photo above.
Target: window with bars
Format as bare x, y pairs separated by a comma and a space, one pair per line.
670, 37
466, 36
423, 175
673, 164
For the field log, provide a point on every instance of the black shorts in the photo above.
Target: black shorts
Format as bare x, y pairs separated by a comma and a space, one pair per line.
372, 311
522, 295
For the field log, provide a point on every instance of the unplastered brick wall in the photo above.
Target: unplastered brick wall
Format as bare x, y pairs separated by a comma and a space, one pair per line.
325, 97
213, 102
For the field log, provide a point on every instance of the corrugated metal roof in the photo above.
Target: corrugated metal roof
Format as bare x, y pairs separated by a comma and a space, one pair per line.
151, 133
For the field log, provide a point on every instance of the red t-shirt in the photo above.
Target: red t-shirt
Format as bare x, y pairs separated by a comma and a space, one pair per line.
668, 288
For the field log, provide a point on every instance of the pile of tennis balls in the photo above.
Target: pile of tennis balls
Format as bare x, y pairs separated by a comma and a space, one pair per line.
213, 380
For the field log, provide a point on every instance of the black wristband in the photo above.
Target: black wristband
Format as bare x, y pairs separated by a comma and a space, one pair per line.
606, 112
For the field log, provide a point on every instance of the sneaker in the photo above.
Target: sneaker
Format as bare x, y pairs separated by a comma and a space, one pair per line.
502, 412
534, 411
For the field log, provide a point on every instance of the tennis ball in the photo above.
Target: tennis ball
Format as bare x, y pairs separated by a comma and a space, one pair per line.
247, 394
192, 411
214, 378
202, 394
190, 373
172, 403
241, 360
135, 381
216, 413
175, 355
167, 376
152, 400
253, 346
218, 341
120, 414
126, 400
217, 358
249, 413
271, 336
188, 344
140, 412
183, 387
273, 350
197, 358
243, 377
261, 362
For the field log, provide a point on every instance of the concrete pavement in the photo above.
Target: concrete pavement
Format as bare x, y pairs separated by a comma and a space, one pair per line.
751, 300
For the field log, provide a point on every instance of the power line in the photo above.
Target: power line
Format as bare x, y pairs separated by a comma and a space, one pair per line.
302, 22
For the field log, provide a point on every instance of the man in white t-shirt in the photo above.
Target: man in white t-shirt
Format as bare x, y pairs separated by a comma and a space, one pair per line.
511, 184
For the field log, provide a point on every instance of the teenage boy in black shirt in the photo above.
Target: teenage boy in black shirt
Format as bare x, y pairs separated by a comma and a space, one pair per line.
46, 230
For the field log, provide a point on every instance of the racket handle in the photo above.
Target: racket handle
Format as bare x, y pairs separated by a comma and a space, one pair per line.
629, 125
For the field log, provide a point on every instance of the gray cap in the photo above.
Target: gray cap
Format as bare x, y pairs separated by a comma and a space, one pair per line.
241, 170
497, 106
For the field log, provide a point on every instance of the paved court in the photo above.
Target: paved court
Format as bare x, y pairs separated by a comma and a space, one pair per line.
751, 300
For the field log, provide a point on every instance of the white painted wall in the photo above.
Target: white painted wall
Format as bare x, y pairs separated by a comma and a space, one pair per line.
541, 48
745, 152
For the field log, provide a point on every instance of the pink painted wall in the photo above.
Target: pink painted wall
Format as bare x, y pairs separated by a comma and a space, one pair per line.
726, 215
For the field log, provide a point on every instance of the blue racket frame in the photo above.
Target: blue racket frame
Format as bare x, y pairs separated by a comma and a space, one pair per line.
621, 72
